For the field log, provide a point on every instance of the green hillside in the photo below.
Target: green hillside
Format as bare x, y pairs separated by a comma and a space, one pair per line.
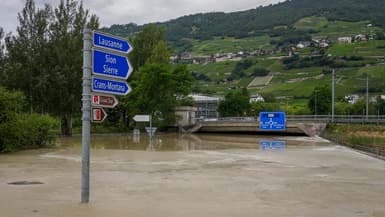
264, 20
230, 45
278, 28
298, 83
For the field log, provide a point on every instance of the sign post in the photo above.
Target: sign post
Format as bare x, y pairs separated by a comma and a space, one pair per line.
111, 65
142, 118
86, 109
108, 65
111, 42
103, 85
272, 121
98, 115
106, 101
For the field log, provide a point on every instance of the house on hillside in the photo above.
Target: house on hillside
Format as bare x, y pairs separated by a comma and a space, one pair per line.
224, 57
202, 60
345, 40
360, 37
256, 98
305, 44
352, 98
324, 45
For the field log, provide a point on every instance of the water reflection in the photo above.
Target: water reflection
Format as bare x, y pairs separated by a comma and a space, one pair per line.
186, 142
272, 145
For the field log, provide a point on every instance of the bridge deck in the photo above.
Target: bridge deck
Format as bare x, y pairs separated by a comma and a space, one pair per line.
309, 125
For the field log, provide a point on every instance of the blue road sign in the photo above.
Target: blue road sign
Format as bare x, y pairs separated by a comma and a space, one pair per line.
272, 145
272, 121
110, 42
110, 86
110, 65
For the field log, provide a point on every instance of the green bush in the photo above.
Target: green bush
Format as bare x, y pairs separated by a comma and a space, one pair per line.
27, 131
19, 130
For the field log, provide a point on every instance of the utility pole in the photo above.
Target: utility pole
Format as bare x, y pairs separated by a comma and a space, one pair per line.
333, 94
86, 116
367, 96
315, 103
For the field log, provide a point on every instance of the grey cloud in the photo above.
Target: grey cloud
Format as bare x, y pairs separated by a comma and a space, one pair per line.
137, 11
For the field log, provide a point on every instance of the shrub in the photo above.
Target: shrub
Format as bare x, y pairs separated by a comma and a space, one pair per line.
21, 131
27, 131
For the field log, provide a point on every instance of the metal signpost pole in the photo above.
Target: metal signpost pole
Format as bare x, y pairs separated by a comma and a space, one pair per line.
86, 116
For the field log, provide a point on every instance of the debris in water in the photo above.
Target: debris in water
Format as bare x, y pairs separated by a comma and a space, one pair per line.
25, 183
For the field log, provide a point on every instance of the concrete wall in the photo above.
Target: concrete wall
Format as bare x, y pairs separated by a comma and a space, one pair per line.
185, 116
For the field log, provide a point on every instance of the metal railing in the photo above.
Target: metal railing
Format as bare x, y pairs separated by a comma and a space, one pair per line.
357, 119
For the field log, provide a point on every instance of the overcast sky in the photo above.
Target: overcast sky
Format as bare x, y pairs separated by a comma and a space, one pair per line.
136, 11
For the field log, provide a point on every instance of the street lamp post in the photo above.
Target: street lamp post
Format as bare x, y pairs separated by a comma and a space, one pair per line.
333, 95
315, 103
367, 96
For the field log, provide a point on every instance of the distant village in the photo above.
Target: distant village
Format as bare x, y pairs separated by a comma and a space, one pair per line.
321, 43
207, 105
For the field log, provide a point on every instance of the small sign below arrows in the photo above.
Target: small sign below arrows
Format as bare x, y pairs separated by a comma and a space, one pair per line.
98, 115
107, 101
142, 118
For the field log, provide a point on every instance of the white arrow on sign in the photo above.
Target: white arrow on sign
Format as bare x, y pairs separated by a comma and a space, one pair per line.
98, 115
142, 118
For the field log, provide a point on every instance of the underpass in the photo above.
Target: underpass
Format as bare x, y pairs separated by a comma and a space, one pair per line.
310, 125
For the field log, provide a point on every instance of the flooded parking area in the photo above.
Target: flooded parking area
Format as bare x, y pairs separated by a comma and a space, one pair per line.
194, 175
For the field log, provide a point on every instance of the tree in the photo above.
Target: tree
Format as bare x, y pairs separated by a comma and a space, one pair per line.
27, 54
320, 102
2, 57
235, 104
145, 43
44, 59
156, 84
159, 87
66, 61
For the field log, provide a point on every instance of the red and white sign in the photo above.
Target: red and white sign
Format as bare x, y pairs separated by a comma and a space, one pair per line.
98, 115
102, 100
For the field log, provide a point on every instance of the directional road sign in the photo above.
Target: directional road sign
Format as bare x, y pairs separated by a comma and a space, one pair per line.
272, 121
272, 145
108, 101
110, 86
110, 42
110, 65
142, 118
98, 115
151, 131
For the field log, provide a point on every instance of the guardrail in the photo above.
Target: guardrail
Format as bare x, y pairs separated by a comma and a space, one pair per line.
363, 119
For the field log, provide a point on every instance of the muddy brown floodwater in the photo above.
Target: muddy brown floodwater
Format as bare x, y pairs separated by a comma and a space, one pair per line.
194, 175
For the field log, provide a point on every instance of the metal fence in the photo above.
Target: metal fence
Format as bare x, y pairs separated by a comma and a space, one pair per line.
357, 119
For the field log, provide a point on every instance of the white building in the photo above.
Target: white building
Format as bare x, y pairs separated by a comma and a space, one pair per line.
207, 106
256, 98
345, 40
352, 98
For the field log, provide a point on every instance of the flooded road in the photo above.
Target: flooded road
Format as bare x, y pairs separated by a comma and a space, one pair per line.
194, 175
